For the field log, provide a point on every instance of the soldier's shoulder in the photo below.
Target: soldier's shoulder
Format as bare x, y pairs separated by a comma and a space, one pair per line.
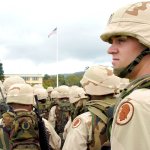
82, 120
140, 95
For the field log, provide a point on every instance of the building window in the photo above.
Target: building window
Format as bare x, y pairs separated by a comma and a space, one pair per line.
26, 78
35, 78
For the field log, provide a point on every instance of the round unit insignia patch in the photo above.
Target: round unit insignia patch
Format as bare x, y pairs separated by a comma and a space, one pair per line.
125, 113
76, 122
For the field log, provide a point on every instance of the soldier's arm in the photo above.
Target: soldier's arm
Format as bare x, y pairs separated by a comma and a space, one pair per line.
54, 139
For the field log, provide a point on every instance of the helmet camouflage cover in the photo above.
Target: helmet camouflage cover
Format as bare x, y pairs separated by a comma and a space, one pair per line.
76, 94
21, 94
132, 20
12, 80
100, 80
50, 89
41, 93
63, 91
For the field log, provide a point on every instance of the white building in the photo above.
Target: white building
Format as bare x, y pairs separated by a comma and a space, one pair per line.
31, 79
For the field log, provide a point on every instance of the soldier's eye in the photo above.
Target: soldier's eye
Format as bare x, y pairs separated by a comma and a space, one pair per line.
117, 39
121, 39
110, 40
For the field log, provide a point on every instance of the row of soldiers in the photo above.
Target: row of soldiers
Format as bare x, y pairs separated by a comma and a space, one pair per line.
81, 115
76, 118
19, 127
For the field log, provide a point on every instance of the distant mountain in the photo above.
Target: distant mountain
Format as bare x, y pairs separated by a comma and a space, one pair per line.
81, 73
75, 73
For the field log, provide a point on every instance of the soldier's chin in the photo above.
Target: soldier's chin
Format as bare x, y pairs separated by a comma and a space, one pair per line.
115, 62
117, 71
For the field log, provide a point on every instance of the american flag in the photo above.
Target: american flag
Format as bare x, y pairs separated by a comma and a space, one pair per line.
52, 32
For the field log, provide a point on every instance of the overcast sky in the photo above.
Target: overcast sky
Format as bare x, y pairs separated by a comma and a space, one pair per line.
25, 24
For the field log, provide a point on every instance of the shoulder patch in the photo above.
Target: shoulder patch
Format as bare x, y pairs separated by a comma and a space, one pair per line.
76, 122
125, 113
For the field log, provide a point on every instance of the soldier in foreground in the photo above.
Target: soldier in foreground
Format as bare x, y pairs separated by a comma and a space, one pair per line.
128, 32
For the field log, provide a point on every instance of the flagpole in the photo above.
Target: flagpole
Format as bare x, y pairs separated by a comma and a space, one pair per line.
57, 79
51, 33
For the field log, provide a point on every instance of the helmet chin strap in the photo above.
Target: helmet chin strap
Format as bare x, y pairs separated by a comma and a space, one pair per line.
123, 72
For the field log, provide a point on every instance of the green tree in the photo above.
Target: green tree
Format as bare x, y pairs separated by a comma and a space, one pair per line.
73, 79
1, 72
46, 77
49, 81
63, 79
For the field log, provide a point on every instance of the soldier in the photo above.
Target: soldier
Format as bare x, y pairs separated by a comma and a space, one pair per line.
42, 96
78, 99
19, 128
88, 130
51, 100
3, 91
49, 90
12, 80
128, 34
3, 106
62, 110
52, 113
59, 113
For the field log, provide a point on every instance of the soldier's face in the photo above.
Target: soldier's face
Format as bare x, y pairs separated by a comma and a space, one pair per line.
124, 50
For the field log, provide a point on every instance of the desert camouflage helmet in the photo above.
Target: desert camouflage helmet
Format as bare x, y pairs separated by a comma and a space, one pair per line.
49, 89
132, 20
54, 94
63, 91
35, 86
21, 94
12, 80
41, 93
100, 80
76, 93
